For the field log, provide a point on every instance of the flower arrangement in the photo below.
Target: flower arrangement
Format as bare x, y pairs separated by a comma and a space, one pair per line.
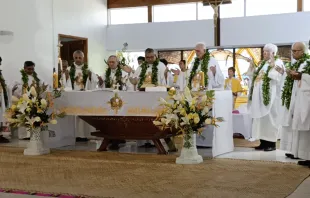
34, 109
188, 112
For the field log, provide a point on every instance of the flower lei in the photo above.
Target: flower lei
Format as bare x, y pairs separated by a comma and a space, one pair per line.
288, 84
144, 67
72, 74
25, 79
204, 69
306, 69
4, 87
118, 75
254, 78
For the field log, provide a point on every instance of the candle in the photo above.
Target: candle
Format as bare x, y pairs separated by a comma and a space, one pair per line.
202, 78
60, 62
55, 80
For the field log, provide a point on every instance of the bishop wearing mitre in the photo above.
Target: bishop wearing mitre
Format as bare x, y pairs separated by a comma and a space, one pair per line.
264, 101
151, 72
212, 76
28, 78
81, 78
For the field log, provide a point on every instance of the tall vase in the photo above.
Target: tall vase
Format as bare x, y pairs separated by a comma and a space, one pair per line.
189, 155
36, 144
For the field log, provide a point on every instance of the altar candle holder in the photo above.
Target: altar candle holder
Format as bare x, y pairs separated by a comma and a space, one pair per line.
202, 80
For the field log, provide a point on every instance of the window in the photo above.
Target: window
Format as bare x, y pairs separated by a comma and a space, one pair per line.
205, 12
265, 7
132, 57
128, 15
235, 9
306, 5
224, 59
173, 57
175, 12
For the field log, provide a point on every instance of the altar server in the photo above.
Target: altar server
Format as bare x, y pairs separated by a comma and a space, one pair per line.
28, 78
299, 62
81, 78
179, 78
233, 84
263, 103
209, 66
4, 103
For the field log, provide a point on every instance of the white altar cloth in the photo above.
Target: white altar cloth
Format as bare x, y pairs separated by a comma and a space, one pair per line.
97, 103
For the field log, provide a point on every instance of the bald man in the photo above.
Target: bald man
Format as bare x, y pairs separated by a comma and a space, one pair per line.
214, 73
289, 107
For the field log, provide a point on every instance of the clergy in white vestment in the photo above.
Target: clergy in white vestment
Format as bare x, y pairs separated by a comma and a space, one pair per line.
81, 78
301, 119
151, 72
263, 102
64, 73
204, 62
115, 76
4, 103
28, 78
288, 98
178, 77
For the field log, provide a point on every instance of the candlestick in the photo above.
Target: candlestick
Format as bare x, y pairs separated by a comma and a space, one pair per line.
55, 79
60, 62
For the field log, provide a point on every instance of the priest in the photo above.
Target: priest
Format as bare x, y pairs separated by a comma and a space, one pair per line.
152, 71
115, 74
289, 102
80, 79
233, 84
263, 103
4, 103
204, 62
301, 119
28, 78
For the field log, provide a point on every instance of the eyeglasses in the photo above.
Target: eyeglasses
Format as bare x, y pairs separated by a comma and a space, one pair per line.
294, 51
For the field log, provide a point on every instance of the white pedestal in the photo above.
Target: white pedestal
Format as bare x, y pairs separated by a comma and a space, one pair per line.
36, 145
190, 155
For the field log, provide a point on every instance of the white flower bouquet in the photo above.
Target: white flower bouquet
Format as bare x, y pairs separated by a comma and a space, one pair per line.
187, 112
34, 109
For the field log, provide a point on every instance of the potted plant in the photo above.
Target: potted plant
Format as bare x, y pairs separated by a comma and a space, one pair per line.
188, 113
34, 111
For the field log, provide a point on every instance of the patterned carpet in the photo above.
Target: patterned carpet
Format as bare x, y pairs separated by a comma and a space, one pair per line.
102, 174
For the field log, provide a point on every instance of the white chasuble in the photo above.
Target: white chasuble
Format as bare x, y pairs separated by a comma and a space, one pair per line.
301, 120
265, 118
160, 76
125, 79
215, 81
82, 129
286, 115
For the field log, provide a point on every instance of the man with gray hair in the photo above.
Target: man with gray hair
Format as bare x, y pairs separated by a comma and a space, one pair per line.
296, 82
81, 78
206, 63
263, 101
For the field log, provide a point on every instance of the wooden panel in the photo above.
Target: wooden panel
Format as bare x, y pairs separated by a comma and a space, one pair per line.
299, 5
150, 14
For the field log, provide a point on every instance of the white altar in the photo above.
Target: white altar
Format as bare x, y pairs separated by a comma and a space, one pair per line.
98, 103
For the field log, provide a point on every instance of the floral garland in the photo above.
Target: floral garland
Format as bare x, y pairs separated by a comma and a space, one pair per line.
144, 67
288, 84
118, 75
254, 78
85, 72
25, 79
4, 87
204, 69
306, 69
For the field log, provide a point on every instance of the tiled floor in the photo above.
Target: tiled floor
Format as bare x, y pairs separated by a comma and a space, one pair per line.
303, 191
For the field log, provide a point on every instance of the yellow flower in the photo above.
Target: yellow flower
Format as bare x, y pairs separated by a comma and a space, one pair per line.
15, 99
25, 97
208, 121
13, 107
53, 121
33, 92
196, 118
43, 103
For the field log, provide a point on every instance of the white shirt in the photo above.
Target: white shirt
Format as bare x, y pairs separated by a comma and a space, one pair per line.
161, 73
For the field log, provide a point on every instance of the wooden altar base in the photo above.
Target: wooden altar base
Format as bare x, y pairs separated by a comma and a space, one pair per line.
130, 128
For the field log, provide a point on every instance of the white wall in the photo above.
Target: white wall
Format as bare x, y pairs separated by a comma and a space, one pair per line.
245, 31
160, 35
36, 25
